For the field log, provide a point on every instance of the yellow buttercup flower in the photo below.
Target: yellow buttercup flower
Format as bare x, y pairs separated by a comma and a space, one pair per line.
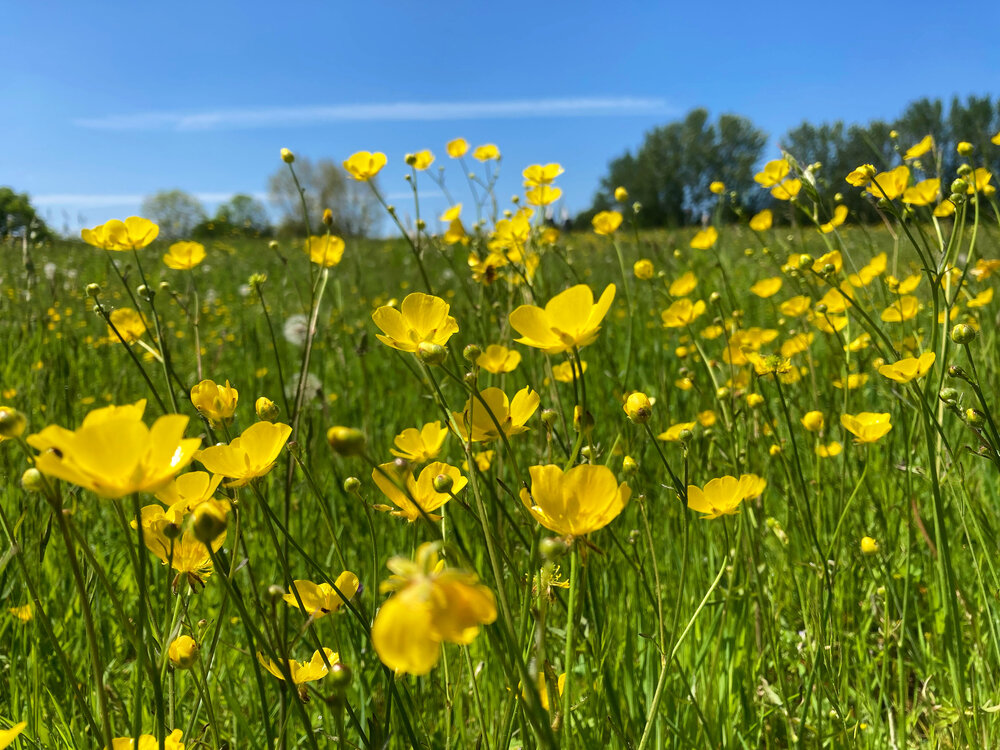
584, 499
868, 273
183, 256
867, 427
773, 173
569, 321
905, 308
7, 736
861, 176
421, 319
795, 306
683, 285
982, 299
499, 359
762, 221
839, 217
813, 421
673, 433
364, 165
909, 368
638, 407
249, 456
643, 269
717, 187
890, 184
920, 148
415, 497
787, 190
486, 152
320, 599
420, 446
188, 490
325, 251
420, 160
476, 423
134, 233
432, 604
705, 238
606, 222
543, 195
183, 652
563, 372
621, 194
114, 454
829, 450
767, 287
722, 496
165, 535
682, 312
302, 672
129, 323
538, 174
149, 742
924, 193
457, 148
215, 402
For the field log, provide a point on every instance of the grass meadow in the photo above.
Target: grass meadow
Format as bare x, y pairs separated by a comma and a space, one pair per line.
736, 487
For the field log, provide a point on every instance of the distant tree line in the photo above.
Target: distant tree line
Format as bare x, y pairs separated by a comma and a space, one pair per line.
671, 170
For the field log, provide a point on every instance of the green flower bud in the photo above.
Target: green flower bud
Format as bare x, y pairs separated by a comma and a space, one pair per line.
963, 334
347, 441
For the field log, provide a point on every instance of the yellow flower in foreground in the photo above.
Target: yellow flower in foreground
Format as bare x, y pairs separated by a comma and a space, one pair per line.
868, 546
606, 222
621, 194
722, 496
643, 269
717, 187
890, 184
486, 152
683, 285
787, 190
584, 499
773, 173
682, 312
543, 195
570, 320
499, 359
165, 535
184, 256
924, 193
476, 423
189, 490
364, 165
24, 613
216, 402
762, 222
767, 287
705, 238
813, 421
183, 651
7, 736
419, 446
867, 427
457, 148
861, 176
421, 319
432, 604
905, 308
920, 148
839, 217
129, 323
326, 250
538, 174
249, 456
909, 368
411, 496
302, 672
114, 454
132, 234
148, 742
320, 599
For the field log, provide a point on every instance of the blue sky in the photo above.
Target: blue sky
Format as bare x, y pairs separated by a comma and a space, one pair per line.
109, 101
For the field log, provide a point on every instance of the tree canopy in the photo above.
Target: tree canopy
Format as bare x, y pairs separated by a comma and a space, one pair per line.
177, 213
356, 212
18, 216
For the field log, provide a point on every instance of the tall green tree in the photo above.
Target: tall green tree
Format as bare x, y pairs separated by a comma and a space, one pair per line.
17, 216
176, 212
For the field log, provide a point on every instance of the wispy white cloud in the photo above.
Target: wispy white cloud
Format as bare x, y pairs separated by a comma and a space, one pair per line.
103, 200
267, 117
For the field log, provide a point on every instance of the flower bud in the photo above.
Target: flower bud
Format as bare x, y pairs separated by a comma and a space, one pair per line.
964, 148
340, 676
12, 422
328, 217
963, 334
275, 593
964, 170
685, 436
208, 521
552, 548
957, 198
582, 421
472, 352
352, 484
93, 290
975, 418
868, 546
959, 186
31, 480
714, 298
443, 483
629, 465
549, 417
722, 392
638, 407
431, 354
643, 269
287, 156
948, 395
621, 194
587, 452
273, 245
347, 441
266, 409
805, 261
183, 652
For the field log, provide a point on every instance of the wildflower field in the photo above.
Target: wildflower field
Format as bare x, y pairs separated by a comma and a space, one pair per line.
493, 485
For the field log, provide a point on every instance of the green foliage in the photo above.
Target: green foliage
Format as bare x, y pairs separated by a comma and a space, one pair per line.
176, 212
17, 216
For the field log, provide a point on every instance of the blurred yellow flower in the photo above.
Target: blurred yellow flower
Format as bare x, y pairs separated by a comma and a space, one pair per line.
538, 174
432, 604
787, 190
722, 496
249, 456
905, 308
457, 148
364, 165
183, 256
320, 599
621, 194
217, 403
149, 742
563, 372
866, 426
762, 221
829, 450
673, 433
486, 152
924, 193
542, 195
411, 497
795, 306
130, 325
890, 184
909, 368
134, 233
7, 736
643, 269
325, 250
606, 222
569, 321
188, 490
418, 446
813, 421
114, 454
420, 160
302, 672
839, 217
183, 652
773, 173
682, 312
683, 285
920, 148
705, 238
717, 187
581, 500
421, 319
476, 421
861, 176
767, 287
499, 359
982, 299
